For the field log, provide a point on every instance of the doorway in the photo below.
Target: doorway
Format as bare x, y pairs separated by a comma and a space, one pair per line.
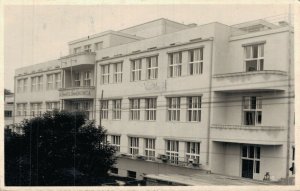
250, 160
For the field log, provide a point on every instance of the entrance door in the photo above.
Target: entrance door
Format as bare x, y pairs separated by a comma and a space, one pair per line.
247, 168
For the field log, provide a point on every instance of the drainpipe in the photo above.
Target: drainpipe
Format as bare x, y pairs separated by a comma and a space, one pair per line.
289, 97
95, 82
209, 101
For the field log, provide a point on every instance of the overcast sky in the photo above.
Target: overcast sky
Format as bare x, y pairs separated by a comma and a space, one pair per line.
34, 34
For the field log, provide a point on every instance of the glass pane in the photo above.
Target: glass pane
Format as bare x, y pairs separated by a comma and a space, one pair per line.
251, 65
261, 50
251, 152
249, 118
255, 51
261, 64
259, 117
257, 154
248, 51
253, 102
257, 166
244, 151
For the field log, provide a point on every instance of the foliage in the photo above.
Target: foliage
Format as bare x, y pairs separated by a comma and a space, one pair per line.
57, 149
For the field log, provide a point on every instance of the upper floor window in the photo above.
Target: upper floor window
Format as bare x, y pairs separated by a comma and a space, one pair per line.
52, 105
116, 142
175, 64
22, 85
118, 70
77, 77
7, 113
134, 109
254, 57
87, 78
36, 109
22, 109
150, 109
104, 109
50, 82
37, 83
174, 109
152, 67
77, 50
194, 108
252, 108
193, 152
134, 145
105, 74
57, 80
136, 70
98, 45
87, 48
117, 109
195, 61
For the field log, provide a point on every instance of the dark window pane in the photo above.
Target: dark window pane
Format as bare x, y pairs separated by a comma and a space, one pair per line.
249, 118
257, 166
253, 102
257, 152
251, 65
251, 152
131, 174
255, 51
261, 64
244, 151
259, 117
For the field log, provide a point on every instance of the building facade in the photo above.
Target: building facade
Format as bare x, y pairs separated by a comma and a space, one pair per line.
175, 98
9, 111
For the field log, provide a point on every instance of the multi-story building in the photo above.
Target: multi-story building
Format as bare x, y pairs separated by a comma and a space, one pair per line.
178, 98
9, 111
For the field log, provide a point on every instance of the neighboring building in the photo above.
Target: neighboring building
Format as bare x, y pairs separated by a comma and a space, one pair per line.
9, 111
178, 99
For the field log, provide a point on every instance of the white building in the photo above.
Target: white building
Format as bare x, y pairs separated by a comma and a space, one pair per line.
178, 99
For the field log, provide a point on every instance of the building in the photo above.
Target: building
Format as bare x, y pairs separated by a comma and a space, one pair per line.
9, 111
178, 99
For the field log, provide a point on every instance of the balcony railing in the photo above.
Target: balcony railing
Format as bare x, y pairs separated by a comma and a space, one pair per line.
82, 58
248, 127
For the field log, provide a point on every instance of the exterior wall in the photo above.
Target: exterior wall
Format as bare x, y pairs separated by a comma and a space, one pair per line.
9, 106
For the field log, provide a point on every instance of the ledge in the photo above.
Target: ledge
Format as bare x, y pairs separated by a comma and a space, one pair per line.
248, 127
236, 74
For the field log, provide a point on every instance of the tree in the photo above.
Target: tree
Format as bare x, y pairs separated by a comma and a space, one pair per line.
7, 92
58, 149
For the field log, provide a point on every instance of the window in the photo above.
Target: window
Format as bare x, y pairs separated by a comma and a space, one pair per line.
131, 174
172, 151
77, 50
150, 149
116, 142
87, 48
254, 57
19, 109
252, 153
52, 105
87, 78
49, 81
175, 62
57, 80
194, 108
36, 109
25, 84
174, 109
134, 109
133, 145
104, 109
7, 113
150, 109
118, 69
40, 83
114, 170
293, 160
98, 45
33, 84
117, 109
22, 85
152, 68
252, 108
77, 79
136, 70
193, 152
196, 61
105, 74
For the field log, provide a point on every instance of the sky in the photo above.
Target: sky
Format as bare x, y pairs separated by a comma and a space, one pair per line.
35, 34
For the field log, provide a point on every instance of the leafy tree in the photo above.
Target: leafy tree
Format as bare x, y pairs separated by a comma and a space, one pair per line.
7, 92
57, 149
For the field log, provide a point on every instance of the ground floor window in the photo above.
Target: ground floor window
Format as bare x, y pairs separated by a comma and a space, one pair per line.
114, 170
134, 145
250, 160
115, 141
193, 152
172, 151
131, 174
150, 149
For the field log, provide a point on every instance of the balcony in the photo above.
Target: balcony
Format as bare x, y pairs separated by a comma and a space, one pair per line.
79, 59
266, 80
265, 135
82, 92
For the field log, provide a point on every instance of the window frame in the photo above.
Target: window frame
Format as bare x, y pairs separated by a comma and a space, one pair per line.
173, 108
150, 109
116, 142
117, 111
152, 67
105, 74
249, 56
133, 146
135, 109
136, 70
257, 111
104, 110
189, 154
172, 151
87, 81
118, 75
194, 113
195, 67
175, 68
149, 149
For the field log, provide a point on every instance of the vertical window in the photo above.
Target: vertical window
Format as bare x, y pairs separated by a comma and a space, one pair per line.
252, 108
136, 70
134, 109
77, 79
193, 152
194, 108
174, 109
150, 109
175, 63
196, 61
117, 109
131, 174
24, 107
36, 109
118, 69
254, 57
105, 74
33, 84
87, 48
57, 80
98, 45
49, 81
104, 109
152, 68
25, 81
133, 145
172, 151
20, 86
87, 78
250, 152
40, 83
52, 105
116, 142
7, 113
77, 50
150, 149
87, 108
19, 109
